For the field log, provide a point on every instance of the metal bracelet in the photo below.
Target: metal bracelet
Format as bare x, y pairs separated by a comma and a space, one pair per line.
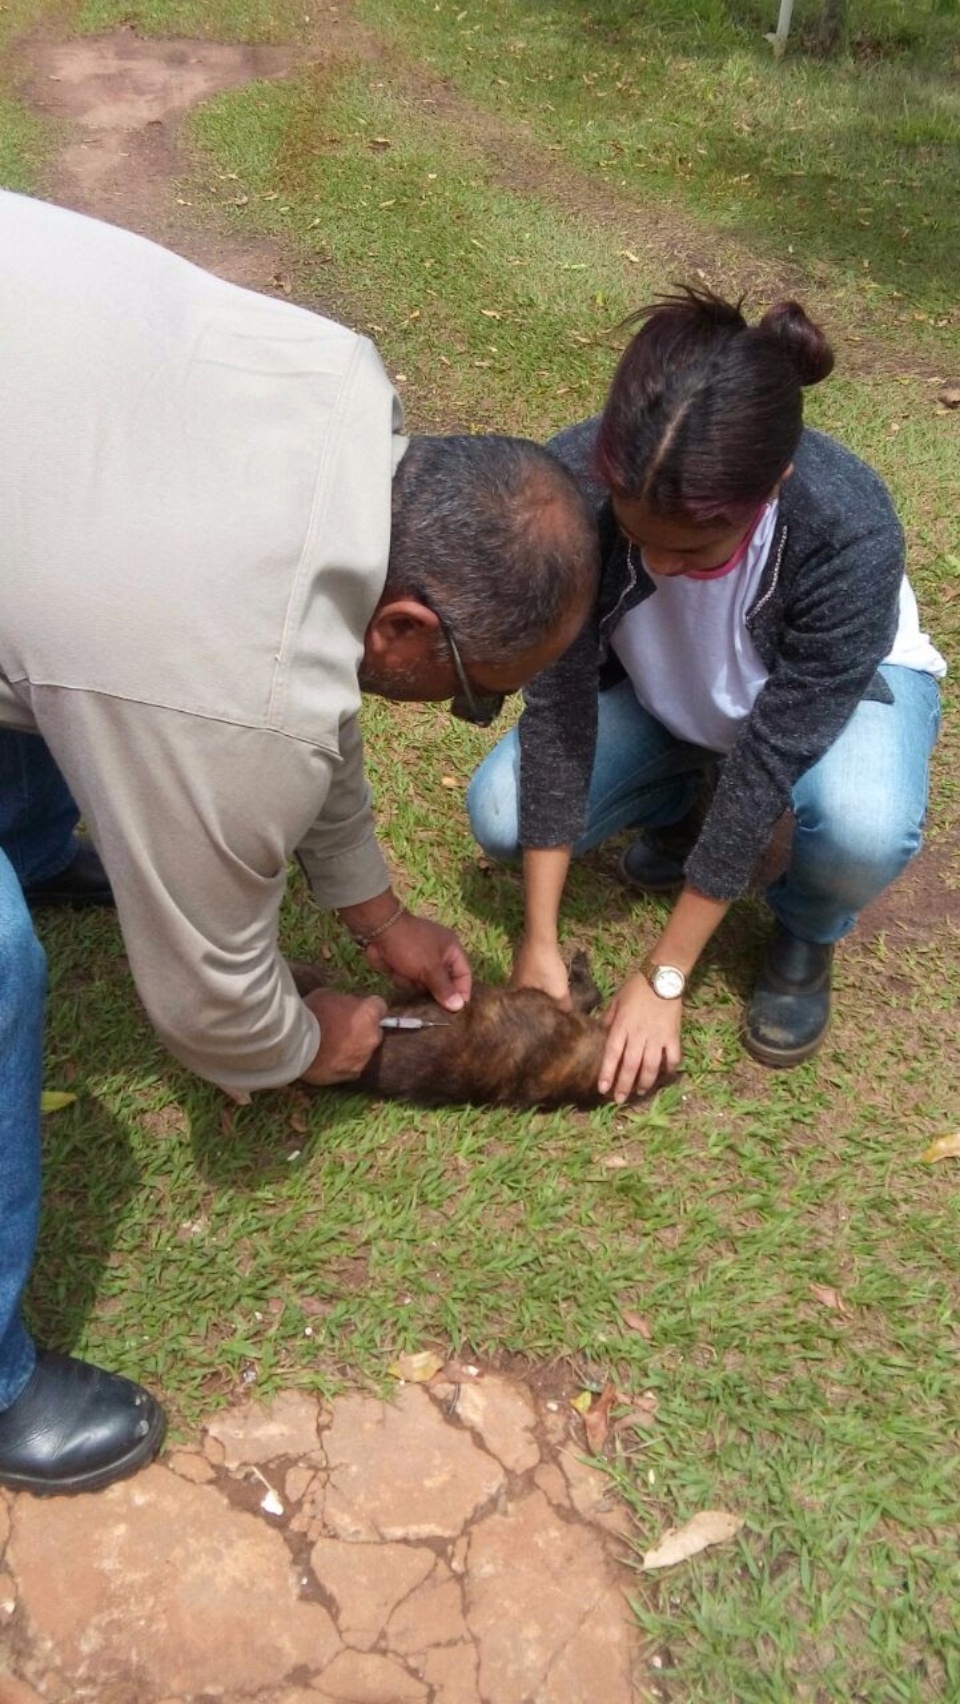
364, 941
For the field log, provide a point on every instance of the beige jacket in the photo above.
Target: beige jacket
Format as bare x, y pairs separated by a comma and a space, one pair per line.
195, 502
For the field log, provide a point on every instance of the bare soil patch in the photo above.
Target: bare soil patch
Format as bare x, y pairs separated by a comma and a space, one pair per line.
124, 99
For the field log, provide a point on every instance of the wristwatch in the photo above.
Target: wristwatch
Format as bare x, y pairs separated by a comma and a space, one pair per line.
665, 979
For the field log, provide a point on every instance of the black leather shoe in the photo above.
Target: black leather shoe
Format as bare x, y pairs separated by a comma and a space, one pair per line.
82, 883
76, 1428
789, 1011
653, 863
648, 867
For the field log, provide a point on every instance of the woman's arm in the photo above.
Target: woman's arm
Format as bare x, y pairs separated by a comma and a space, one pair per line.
644, 1028
537, 962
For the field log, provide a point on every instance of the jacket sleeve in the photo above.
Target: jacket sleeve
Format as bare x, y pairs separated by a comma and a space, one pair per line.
339, 852
558, 727
839, 625
558, 737
195, 821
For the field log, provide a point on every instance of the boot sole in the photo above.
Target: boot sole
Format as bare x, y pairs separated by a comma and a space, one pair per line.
781, 1058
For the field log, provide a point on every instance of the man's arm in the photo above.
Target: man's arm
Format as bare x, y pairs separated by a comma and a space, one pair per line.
195, 821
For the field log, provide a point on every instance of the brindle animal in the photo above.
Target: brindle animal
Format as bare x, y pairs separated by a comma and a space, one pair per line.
506, 1047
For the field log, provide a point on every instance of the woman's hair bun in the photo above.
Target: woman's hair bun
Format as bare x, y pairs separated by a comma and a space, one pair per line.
800, 339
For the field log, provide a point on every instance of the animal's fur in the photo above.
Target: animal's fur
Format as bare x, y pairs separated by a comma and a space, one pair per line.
506, 1047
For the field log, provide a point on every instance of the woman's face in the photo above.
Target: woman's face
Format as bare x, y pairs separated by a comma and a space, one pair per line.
675, 546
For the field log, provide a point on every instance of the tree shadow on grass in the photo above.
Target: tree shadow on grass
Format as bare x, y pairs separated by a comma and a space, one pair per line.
852, 160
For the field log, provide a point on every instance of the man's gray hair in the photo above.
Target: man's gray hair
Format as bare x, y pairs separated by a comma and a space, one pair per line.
496, 532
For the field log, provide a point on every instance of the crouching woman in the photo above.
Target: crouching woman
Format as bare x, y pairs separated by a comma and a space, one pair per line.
755, 615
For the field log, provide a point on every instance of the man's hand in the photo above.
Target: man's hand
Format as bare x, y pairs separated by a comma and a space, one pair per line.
644, 1038
417, 953
350, 1034
541, 966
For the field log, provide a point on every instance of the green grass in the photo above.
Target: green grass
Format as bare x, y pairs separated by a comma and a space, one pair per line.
462, 197
25, 141
850, 164
222, 20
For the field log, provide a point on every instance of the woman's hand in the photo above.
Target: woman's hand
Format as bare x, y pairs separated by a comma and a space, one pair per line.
541, 966
350, 1034
643, 1039
418, 953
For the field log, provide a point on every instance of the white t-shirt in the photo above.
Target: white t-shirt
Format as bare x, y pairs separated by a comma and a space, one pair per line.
690, 656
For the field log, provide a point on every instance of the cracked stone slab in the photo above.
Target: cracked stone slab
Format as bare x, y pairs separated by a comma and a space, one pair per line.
566, 1615
431, 1616
259, 1432
159, 1584
398, 1470
367, 1582
357, 1677
504, 1415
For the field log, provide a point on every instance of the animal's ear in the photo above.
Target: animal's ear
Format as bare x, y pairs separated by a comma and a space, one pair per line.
585, 996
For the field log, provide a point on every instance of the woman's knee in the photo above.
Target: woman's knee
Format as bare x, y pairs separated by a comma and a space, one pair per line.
863, 846
493, 805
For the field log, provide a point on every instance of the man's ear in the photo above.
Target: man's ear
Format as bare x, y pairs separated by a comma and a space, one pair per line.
400, 631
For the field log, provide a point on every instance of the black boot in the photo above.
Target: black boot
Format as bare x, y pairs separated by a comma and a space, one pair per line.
789, 1011
84, 882
76, 1428
648, 867
653, 863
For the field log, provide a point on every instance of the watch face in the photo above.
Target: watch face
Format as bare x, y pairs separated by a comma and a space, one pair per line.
667, 982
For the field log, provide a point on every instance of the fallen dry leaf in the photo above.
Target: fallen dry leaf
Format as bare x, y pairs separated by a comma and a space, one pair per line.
829, 1298
416, 1369
449, 781
54, 1100
710, 1526
950, 396
582, 1401
596, 1421
636, 1322
944, 1148
643, 1413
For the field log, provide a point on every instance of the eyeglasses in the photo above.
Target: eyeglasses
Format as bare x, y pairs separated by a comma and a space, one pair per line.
476, 707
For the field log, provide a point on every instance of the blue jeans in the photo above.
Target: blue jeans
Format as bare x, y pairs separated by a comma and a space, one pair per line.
37, 810
22, 984
37, 820
859, 810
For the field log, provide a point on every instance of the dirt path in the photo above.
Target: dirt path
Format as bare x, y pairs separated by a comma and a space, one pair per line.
125, 98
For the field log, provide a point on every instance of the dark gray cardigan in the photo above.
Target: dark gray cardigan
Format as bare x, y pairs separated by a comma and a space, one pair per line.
825, 616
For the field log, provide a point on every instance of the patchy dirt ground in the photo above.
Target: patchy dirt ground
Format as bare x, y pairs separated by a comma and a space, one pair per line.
122, 100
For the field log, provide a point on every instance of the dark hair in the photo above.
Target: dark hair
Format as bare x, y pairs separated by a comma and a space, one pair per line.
705, 411
498, 534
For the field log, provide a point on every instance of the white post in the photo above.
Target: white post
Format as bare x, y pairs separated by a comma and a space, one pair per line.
779, 35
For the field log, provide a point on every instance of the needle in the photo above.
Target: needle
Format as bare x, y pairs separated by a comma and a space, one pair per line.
409, 1023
